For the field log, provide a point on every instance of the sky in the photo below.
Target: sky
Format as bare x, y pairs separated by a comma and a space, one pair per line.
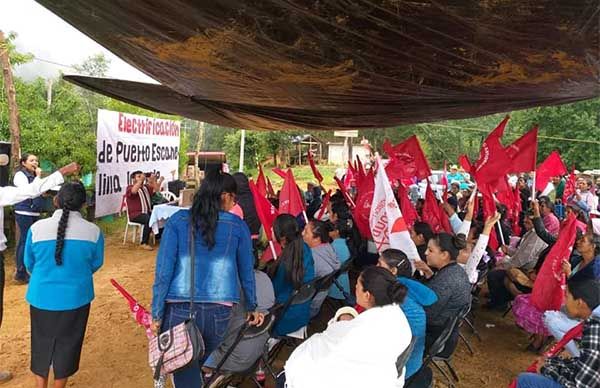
49, 38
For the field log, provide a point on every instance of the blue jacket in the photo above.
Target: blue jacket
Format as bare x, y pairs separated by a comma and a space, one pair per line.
70, 285
297, 315
220, 271
33, 205
343, 253
418, 296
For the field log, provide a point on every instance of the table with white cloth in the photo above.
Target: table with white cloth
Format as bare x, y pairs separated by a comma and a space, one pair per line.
160, 215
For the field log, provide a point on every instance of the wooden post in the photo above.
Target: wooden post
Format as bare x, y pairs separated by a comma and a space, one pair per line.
13, 110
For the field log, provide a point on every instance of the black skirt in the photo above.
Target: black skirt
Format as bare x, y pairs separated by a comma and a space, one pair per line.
56, 339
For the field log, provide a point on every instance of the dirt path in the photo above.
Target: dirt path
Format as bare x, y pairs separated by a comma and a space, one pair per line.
115, 349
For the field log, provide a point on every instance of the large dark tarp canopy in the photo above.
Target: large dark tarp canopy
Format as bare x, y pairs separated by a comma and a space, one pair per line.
340, 64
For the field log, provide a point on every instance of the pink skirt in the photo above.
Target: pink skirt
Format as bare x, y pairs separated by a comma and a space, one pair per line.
527, 316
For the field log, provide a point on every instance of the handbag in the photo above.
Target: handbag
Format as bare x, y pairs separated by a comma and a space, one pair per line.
180, 345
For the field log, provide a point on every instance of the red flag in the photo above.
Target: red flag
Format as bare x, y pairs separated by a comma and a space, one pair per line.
261, 183
140, 314
279, 172
408, 210
323, 208
290, 201
570, 185
433, 214
270, 191
267, 254
314, 169
349, 178
407, 160
464, 161
493, 161
489, 209
360, 170
552, 166
523, 152
361, 212
345, 193
264, 209
548, 289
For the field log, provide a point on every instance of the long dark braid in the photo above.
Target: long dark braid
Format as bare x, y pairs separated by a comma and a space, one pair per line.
71, 197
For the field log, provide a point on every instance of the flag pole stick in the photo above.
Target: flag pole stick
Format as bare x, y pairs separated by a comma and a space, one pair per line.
533, 191
305, 216
501, 233
273, 249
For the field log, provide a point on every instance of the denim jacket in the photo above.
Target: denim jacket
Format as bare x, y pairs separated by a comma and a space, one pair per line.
220, 272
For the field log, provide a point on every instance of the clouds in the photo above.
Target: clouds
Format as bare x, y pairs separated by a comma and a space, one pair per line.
50, 38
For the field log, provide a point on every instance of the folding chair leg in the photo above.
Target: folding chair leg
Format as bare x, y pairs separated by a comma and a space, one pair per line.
452, 371
508, 310
125, 235
443, 372
475, 332
468, 345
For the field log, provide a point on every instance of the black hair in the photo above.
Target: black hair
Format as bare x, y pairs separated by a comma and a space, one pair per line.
207, 203
292, 255
585, 289
22, 160
133, 174
70, 197
423, 229
320, 230
395, 258
547, 202
451, 244
384, 287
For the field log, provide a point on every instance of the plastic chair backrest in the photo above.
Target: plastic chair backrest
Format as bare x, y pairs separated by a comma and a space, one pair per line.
405, 355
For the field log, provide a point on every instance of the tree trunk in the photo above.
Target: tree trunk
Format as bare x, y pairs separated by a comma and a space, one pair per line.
13, 110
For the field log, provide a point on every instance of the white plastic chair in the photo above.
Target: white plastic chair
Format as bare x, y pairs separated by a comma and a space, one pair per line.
169, 196
130, 223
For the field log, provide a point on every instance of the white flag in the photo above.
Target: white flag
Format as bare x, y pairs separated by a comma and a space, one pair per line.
388, 227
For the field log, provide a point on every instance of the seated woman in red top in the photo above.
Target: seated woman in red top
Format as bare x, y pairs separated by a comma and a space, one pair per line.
139, 204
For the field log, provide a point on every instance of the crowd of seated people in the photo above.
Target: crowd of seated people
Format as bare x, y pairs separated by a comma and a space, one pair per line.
401, 304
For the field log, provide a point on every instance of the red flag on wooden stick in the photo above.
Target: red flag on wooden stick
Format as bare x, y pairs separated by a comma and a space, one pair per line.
279, 172
406, 206
264, 209
493, 161
261, 183
548, 293
323, 209
407, 160
570, 185
433, 214
523, 152
552, 166
362, 210
290, 200
314, 168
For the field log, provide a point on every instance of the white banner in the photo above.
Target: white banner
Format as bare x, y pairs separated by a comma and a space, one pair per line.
126, 143
388, 227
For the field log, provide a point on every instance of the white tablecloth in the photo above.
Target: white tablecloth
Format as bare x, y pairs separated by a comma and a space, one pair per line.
160, 213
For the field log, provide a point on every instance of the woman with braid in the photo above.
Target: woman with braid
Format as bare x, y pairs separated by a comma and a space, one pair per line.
61, 255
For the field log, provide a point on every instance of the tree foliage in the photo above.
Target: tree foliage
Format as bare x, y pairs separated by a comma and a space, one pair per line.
65, 131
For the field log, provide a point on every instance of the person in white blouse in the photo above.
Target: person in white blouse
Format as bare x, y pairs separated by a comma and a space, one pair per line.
12, 195
26, 212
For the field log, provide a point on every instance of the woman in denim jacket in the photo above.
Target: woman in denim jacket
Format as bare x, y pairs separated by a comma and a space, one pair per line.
223, 262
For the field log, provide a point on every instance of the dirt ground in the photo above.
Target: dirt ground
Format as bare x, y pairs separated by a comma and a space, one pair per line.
115, 350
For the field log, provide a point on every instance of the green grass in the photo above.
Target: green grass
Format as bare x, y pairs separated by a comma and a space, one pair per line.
111, 225
303, 175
